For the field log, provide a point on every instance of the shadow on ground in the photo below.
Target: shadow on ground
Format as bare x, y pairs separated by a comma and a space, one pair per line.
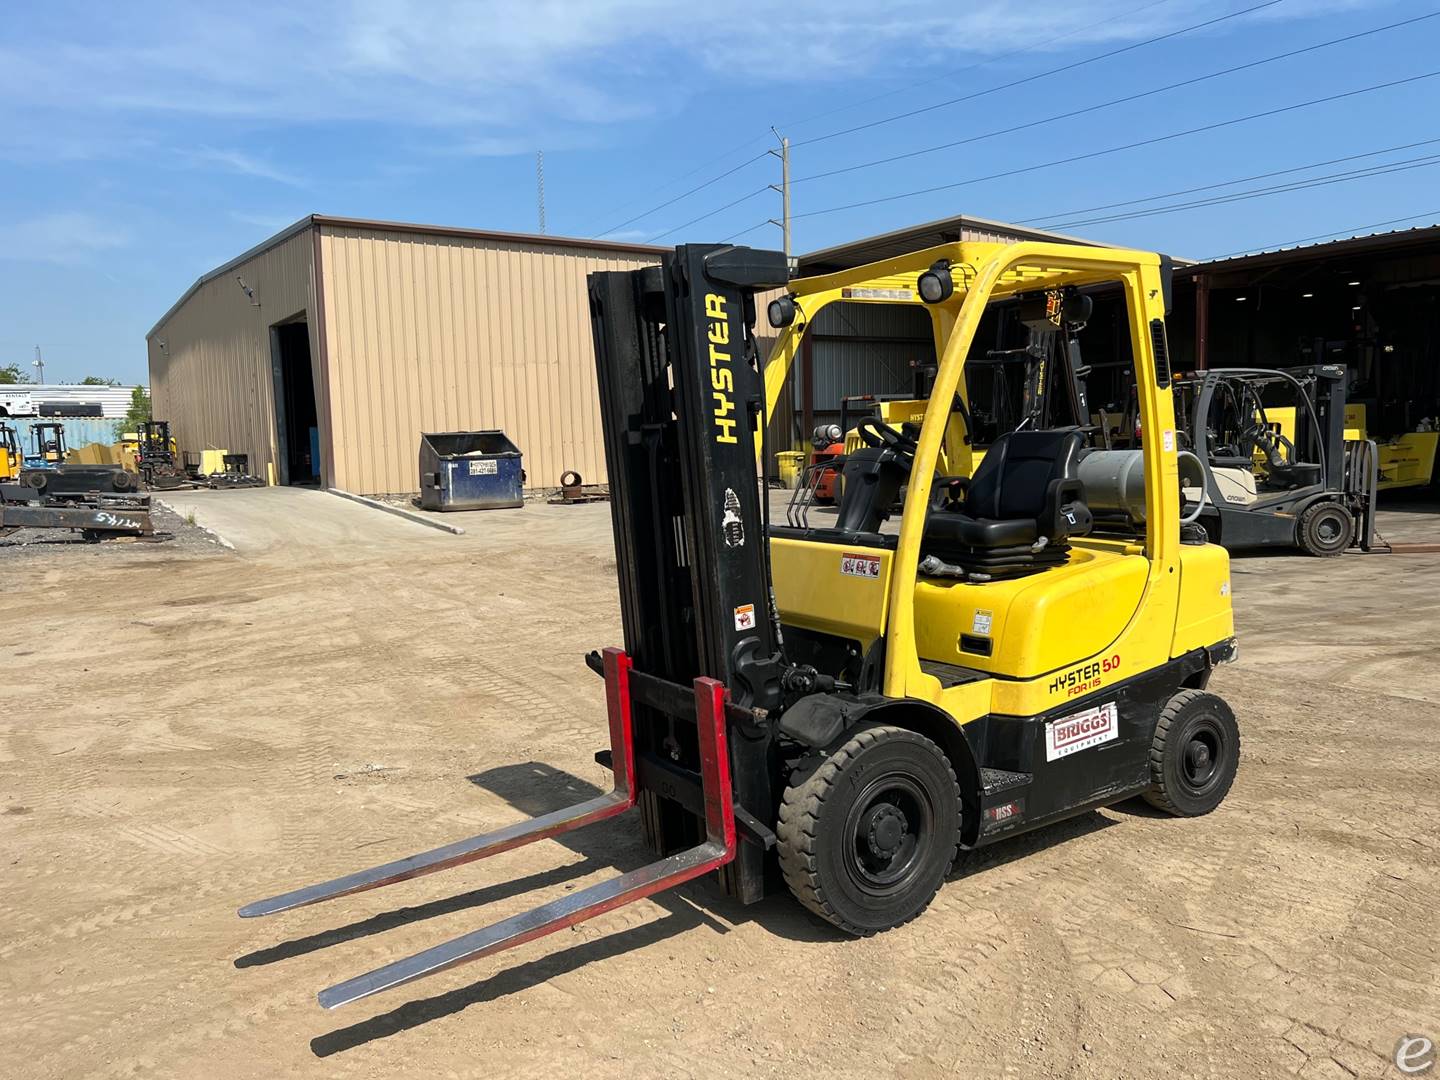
535, 788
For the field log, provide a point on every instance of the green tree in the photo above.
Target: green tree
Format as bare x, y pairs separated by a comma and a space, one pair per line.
12, 374
96, 380
138, 413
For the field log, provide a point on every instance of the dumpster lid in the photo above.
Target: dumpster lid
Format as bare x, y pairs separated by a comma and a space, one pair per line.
457, 444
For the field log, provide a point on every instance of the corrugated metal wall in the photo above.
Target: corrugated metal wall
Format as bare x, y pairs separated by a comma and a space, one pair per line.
884, 341
79, 431
212, 378
430, 332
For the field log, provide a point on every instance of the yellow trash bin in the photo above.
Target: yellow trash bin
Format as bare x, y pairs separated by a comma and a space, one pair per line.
790, 463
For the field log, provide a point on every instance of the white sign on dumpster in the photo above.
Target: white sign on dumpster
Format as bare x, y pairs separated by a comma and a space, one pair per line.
484, 468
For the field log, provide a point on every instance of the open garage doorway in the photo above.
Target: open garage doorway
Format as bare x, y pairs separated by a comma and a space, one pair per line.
296, 421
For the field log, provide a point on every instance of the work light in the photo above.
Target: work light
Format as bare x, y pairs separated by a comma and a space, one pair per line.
936, 284
781, 312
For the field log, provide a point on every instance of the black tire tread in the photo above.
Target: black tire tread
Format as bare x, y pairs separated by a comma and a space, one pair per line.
800, 811
1155, 795
1302, 530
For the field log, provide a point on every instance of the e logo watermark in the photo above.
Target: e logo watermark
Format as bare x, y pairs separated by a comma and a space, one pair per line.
1415, 1055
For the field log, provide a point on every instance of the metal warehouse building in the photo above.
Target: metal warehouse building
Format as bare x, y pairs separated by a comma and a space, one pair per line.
325, 351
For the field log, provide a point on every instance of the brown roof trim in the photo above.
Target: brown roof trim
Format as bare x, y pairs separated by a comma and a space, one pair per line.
542, 239
533, 239
1364, 244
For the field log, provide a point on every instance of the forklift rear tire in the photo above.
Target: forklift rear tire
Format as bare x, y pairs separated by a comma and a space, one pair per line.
868, 832
1194, 755
1325, 530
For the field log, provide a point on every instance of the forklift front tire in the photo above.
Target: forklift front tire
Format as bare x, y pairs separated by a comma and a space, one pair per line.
1325, 530
868, 832
1194, 754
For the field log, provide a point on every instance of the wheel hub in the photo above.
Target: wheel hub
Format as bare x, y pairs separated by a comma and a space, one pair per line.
1199, 761
885, 829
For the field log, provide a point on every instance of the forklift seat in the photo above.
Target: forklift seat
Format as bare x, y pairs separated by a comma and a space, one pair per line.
1016, 513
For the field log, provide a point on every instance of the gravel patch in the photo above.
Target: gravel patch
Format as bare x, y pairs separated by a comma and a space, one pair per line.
173, 535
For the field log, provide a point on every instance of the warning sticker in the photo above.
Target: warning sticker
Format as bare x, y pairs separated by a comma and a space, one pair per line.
745, 617
1080, 731
866, 566
1167, 439
484, 468
980, 624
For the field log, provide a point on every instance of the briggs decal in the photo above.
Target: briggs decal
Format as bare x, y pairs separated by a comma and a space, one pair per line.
1086, 677
1082, 730
722, 379
853, 565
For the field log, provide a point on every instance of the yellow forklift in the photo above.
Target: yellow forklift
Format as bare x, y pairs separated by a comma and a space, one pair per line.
11, 457
844, 707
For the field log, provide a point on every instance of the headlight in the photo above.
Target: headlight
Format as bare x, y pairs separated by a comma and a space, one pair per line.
935, 284
781, 312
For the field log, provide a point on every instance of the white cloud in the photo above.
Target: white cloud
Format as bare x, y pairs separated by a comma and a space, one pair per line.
67, 238
270, 223
240, 162
501, 76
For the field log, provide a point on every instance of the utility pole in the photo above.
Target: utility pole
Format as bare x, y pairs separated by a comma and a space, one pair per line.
40, 364
540, 187
784, 189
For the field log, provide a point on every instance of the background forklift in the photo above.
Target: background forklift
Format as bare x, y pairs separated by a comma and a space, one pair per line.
11, 459
156, 457
835, 707
1308, 488
47, 441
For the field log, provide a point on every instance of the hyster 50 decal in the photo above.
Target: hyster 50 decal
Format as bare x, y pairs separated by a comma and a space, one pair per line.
1086, 677
722, 378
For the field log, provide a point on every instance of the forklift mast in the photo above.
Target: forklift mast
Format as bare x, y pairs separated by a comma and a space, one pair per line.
681, 399
1325, 387
1054, 392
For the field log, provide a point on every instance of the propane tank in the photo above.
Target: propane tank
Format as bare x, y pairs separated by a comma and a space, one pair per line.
1115, 481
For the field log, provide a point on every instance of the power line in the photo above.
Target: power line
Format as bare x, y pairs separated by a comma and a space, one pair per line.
684, 195
745, 232
1226, 183
982, 63
1039, 75
1117, 149
1277, 189
708, 214
1113, 102
685, 176
855, 104
1352, 231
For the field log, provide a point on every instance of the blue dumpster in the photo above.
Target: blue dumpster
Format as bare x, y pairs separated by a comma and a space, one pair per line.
470, 470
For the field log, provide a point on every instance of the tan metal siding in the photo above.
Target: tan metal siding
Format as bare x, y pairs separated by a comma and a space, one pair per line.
212, 380
430, 332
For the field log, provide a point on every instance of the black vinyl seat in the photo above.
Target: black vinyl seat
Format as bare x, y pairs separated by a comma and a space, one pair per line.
1017, 512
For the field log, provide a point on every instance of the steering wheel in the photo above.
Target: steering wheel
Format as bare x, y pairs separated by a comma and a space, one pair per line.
1270, 443
904, 441
876, 434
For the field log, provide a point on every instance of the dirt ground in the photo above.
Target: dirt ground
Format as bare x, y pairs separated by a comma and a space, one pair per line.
183, 730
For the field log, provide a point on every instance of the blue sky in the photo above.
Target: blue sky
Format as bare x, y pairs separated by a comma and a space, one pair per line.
145, 143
